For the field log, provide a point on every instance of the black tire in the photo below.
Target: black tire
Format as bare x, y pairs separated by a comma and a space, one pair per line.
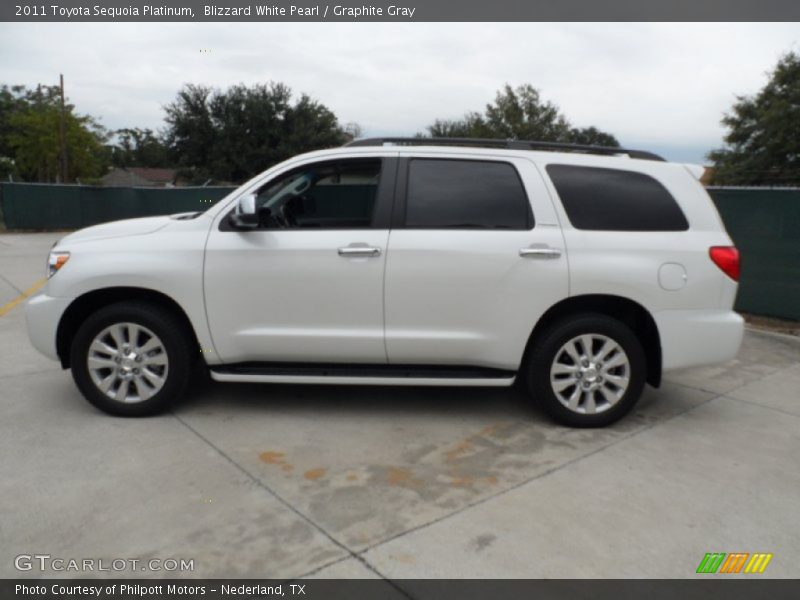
176, 343
546, 349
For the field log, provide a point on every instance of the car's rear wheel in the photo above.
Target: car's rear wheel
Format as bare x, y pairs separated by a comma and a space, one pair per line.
587, 371
131, 358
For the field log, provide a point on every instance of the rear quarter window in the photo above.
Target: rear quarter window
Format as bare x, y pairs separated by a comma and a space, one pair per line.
615, 200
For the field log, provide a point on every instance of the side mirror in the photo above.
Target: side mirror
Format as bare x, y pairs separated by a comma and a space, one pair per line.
244, 216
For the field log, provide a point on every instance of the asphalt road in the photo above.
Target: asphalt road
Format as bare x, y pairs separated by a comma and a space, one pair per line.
289, 481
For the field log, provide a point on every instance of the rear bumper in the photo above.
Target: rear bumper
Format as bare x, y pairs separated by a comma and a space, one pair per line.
691, 338
42, 315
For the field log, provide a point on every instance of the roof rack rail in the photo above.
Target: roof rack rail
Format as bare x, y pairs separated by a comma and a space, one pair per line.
505, 144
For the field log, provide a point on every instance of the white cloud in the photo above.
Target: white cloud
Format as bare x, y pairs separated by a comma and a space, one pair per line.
656, 85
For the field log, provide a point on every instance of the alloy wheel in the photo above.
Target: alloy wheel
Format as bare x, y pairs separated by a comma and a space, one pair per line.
590, 373
128, 362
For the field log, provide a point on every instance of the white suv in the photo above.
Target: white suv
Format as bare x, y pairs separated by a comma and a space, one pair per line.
581, 271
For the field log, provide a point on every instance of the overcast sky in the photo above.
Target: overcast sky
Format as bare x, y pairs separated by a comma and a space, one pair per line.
658, 86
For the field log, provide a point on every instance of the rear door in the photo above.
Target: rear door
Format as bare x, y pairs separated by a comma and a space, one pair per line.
475, 257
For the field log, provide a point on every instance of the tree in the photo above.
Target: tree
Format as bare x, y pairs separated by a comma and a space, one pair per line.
471, 124
190, 135
353, 131
762, 146
520, 114
234, 134
139, 148
592, 137
10, 103
30, 135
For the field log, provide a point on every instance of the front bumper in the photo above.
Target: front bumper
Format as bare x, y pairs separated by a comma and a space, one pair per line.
42, 315
692, 338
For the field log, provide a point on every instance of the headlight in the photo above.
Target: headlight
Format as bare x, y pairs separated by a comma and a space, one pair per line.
55, 261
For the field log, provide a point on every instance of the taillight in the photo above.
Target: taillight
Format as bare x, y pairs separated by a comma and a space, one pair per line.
727, 259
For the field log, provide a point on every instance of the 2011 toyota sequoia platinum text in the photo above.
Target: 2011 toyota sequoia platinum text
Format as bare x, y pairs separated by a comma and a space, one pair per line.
582, 272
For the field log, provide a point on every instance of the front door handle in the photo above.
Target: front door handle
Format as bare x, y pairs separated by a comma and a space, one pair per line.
539, 252
359, 250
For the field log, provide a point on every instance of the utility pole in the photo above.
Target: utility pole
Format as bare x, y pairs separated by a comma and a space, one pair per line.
63, 135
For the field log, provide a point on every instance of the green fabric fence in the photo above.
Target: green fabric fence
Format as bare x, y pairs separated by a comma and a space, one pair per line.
763, 222
765, 226
42, 206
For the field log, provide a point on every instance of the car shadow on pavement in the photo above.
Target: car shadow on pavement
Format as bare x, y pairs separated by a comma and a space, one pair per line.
213, 396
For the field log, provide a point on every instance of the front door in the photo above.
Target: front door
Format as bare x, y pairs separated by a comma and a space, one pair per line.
307, 285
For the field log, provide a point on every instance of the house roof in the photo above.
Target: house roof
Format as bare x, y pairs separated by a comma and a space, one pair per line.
152, 174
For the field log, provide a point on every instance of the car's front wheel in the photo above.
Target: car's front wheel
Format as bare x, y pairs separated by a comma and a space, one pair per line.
587, 371
131, 358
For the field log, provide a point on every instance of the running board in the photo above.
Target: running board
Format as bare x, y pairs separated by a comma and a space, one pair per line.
344, 374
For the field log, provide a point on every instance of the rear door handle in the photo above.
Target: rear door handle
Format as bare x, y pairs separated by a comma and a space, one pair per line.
539, 252
359, 250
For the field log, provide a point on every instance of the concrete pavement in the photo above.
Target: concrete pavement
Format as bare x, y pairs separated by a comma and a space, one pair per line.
291, 481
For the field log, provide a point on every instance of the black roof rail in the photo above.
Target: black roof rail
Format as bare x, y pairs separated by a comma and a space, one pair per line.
506, 144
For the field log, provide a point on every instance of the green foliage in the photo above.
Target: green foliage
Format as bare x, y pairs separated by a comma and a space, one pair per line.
592, 137
30, 122
762, 146
139, 148
10, 103
234, 134
520, 114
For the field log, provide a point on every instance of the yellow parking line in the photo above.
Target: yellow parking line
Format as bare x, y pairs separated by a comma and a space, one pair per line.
6, 308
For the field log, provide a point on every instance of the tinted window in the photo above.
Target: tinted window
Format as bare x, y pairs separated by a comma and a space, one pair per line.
615, 200
324, 195
464, 194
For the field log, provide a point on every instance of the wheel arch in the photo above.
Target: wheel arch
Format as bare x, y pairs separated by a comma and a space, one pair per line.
628, 311
86, 304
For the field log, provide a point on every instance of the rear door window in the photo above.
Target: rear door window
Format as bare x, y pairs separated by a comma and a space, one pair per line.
615, 200
465, 194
